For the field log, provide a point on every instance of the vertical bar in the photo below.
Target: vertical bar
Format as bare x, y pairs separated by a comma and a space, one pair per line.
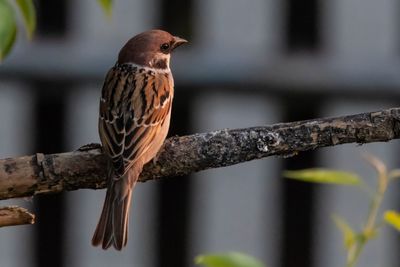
302, 20
174, 194
176, 16
298, 197
49, 137
174, 199
49, 117
52, 18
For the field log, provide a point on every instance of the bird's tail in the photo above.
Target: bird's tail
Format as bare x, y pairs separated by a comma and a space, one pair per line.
112, 228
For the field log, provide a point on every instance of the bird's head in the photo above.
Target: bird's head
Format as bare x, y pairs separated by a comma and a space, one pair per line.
150, 49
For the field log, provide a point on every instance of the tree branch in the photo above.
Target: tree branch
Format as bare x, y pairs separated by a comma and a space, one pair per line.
14, 215
86, 167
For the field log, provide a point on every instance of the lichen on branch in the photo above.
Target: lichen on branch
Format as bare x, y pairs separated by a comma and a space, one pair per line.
86, 167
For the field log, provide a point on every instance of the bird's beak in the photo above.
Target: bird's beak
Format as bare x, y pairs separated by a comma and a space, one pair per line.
178, 41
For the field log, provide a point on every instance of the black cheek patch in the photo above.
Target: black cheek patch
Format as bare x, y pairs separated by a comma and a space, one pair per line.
161, 64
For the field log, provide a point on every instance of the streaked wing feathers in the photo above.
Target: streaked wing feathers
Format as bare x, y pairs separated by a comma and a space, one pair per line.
134, 104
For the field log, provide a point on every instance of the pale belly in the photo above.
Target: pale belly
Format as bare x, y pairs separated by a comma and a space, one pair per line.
158, 141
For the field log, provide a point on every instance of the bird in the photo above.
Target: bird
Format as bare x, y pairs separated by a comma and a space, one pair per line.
134, 118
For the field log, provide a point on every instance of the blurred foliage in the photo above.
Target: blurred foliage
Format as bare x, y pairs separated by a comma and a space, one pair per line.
349, 236
106, 5
319, 175
8, 22
8, 28
28, 12
393, 218
229, 259
354, 241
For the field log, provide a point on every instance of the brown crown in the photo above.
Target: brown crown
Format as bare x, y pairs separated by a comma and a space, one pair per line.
143, 48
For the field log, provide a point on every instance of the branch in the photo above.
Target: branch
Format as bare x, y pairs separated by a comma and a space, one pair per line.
86, 167
15, 216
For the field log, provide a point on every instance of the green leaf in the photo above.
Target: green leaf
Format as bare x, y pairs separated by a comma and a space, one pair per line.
106, 5
317, 175
8, 28
29, 15
349, 236
393, 218
230, 259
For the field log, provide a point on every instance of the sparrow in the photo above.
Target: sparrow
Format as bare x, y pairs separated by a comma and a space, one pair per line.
135, 111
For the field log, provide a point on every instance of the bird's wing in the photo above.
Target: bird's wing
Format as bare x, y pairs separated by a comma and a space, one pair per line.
133, 108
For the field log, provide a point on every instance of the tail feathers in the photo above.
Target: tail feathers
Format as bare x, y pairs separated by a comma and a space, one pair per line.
121, 219
99, 236
112, 229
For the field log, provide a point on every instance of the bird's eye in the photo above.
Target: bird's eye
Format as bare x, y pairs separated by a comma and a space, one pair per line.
164, 46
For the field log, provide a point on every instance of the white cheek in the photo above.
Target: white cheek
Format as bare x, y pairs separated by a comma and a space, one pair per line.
163, 56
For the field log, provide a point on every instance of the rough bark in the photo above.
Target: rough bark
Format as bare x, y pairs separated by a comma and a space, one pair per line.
14, 215
86, 167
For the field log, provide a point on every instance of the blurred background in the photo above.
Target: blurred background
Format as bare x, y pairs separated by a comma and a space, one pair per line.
249, 63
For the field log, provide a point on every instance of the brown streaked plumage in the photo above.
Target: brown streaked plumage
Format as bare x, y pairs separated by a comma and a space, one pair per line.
135, 110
